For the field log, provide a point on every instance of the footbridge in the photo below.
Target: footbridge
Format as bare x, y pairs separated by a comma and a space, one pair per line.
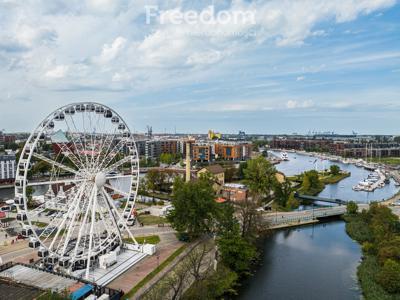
321, 199
296, 218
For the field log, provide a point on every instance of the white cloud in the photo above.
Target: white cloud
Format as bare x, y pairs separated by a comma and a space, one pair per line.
204, 58
57, 72
110, 52
292, 104
300, 78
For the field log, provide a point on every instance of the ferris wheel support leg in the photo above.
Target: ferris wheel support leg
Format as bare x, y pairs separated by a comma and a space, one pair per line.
93, 220
65, 219
72, 223
120, 217
83, 224
113, 217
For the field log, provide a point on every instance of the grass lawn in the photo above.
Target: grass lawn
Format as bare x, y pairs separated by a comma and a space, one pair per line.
150, 239
153, 273
332, 179
386, 160
151, 220
39, 224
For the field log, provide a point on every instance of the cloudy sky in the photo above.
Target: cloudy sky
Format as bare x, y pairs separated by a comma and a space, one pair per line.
292, 66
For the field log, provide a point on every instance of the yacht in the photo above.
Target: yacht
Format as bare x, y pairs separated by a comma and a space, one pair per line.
284, 156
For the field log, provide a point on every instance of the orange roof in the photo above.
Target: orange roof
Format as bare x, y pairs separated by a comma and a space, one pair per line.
220, 200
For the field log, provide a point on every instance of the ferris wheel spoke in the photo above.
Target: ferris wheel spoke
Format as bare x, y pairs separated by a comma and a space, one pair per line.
70, 229
64, 220
117, 190
103, 152
54, 163
112, 216
60, 181
78, 157
109, 156
117, 164
83, 145
93, 221
83, 223
66, 151
121, 219
118, 176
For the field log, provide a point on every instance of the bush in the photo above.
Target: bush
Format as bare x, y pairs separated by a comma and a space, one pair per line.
352, 208
389, 276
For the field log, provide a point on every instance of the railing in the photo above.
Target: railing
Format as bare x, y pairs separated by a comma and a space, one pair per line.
311, 215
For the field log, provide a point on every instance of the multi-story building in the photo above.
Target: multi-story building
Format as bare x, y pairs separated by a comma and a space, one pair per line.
302, 144
234, 192
141, 147
170, 146
202, 152
233, 150
7, 167
154, 148
345, 148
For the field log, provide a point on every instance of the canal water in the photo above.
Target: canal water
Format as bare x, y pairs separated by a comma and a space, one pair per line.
299, 163
306, 263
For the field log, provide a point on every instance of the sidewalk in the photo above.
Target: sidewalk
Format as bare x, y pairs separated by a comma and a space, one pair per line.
134, 275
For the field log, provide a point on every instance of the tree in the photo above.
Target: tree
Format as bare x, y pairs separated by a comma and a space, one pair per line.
230, 174
197, 261
335, 169
352, 208
311, 183
251, 220
389, 250
166, 158
292, 202
219, 283
155, 180
236, 252
389, 276
242, 167
195, 209
260, 177
282, 192
41, 167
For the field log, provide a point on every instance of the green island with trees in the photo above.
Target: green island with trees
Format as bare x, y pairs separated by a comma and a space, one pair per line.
313, 182
378, 232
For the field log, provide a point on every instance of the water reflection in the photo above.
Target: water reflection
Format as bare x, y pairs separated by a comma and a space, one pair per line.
312, 262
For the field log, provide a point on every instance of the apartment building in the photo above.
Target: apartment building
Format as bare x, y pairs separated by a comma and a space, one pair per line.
7, 167
233, 150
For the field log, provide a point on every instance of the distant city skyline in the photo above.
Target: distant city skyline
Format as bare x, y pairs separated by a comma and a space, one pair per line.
302, 66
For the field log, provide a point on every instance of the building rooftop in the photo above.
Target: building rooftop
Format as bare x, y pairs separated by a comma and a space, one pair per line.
215, 169
235, 185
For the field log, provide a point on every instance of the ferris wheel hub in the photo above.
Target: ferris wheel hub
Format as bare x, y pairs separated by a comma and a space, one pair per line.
100, 180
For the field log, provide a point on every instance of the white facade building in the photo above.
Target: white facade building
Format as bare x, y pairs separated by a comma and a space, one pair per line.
7, 167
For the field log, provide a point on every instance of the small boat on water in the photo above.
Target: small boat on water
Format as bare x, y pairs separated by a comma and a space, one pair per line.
284, 156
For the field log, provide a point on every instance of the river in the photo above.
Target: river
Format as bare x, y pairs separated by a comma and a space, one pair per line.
299, 163
316, 261
306, 263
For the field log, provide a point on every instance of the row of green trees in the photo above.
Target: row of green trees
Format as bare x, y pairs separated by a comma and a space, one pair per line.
378, 230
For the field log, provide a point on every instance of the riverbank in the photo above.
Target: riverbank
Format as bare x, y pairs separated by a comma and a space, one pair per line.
379, 270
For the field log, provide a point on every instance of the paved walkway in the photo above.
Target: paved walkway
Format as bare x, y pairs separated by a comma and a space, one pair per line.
134, 275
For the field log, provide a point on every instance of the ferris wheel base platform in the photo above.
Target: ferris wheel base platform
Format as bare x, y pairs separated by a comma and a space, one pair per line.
125, 260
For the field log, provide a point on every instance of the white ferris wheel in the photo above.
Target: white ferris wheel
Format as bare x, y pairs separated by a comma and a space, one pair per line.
89, 159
